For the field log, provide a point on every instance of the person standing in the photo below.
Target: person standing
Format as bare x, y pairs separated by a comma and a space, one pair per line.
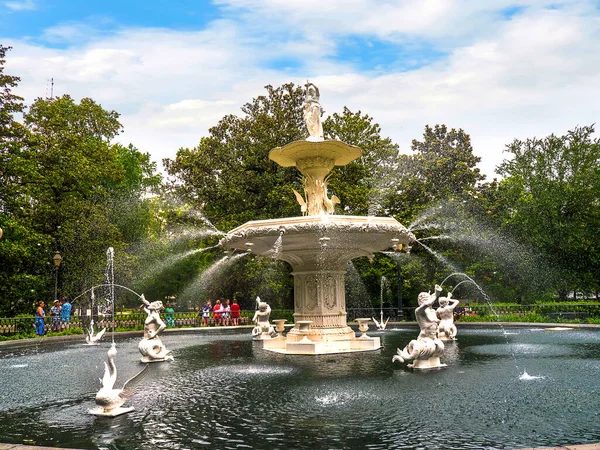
40, 323
206, 309
217, 313
235, 312
65, 311
226, 313
170, 315
55, 313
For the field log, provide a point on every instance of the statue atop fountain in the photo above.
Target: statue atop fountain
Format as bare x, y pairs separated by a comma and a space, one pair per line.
313, 113
151, 347
426, 350
447, 329
263, 328
317, 244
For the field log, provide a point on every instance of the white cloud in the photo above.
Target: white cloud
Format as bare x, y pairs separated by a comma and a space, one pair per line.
529, 76
25, 5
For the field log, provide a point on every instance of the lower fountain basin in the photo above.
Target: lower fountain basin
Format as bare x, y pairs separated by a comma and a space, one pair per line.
318, 248
223, 391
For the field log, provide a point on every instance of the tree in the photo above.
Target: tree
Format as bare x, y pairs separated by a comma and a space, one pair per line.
21, 247
66, 187
443, 168
229, 174
552, 193
362, 184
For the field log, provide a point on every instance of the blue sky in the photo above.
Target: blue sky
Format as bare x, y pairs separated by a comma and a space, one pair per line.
499, 69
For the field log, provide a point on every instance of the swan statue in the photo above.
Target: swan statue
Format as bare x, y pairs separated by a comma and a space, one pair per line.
381, 325
109, 400
92, 339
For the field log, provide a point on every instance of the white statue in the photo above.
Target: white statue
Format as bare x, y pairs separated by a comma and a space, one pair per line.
313, 113
317, 199
263, 329
447, 329
91, 338
380, 324
109, 399
151, 347
426, 350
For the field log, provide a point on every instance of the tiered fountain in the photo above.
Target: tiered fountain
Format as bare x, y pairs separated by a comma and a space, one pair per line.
318, 244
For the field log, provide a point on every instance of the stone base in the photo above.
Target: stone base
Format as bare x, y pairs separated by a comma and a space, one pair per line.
146, 359
112, 413
305, 346
429, 363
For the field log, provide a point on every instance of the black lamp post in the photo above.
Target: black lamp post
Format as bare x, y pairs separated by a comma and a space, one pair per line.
57, 260
398, 249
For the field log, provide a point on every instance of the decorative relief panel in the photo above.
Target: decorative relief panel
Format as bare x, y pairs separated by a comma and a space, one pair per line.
310, 295
298, 291
329, 291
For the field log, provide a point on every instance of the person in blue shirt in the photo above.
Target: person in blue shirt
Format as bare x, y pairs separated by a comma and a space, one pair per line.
65, 310
40, 316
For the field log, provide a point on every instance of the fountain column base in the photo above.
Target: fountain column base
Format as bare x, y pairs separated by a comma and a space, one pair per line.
306, 346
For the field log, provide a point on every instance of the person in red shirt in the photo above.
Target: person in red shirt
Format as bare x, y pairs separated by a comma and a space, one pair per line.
217, 312
235, 312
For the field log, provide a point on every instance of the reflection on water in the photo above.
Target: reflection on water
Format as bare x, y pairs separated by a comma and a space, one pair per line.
222, 391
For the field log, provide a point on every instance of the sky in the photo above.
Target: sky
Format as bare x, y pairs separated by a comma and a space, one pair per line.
499, 69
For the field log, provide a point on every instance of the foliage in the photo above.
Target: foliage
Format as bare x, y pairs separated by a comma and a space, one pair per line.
66, 187
443, 167
551, 194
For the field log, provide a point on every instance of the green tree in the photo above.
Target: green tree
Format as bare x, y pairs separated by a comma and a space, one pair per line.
67, 187
552, 193
443, 167
21, 247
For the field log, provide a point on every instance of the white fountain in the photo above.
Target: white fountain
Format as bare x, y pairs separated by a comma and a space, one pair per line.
318, 244
380, 324
93, 338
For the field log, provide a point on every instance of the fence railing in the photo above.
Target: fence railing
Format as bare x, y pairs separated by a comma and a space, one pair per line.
132, 321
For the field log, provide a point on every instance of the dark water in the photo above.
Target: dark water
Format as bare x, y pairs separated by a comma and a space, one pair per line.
223, 392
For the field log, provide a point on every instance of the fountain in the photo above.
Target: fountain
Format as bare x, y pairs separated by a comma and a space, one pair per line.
380, 325
318, 244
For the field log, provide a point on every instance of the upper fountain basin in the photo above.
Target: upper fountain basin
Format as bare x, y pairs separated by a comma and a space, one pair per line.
338, 152
354, 235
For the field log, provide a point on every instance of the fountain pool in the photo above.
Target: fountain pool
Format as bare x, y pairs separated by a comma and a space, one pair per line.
224, 391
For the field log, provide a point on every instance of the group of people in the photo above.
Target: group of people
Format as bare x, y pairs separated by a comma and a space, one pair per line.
60, 314
223, 313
